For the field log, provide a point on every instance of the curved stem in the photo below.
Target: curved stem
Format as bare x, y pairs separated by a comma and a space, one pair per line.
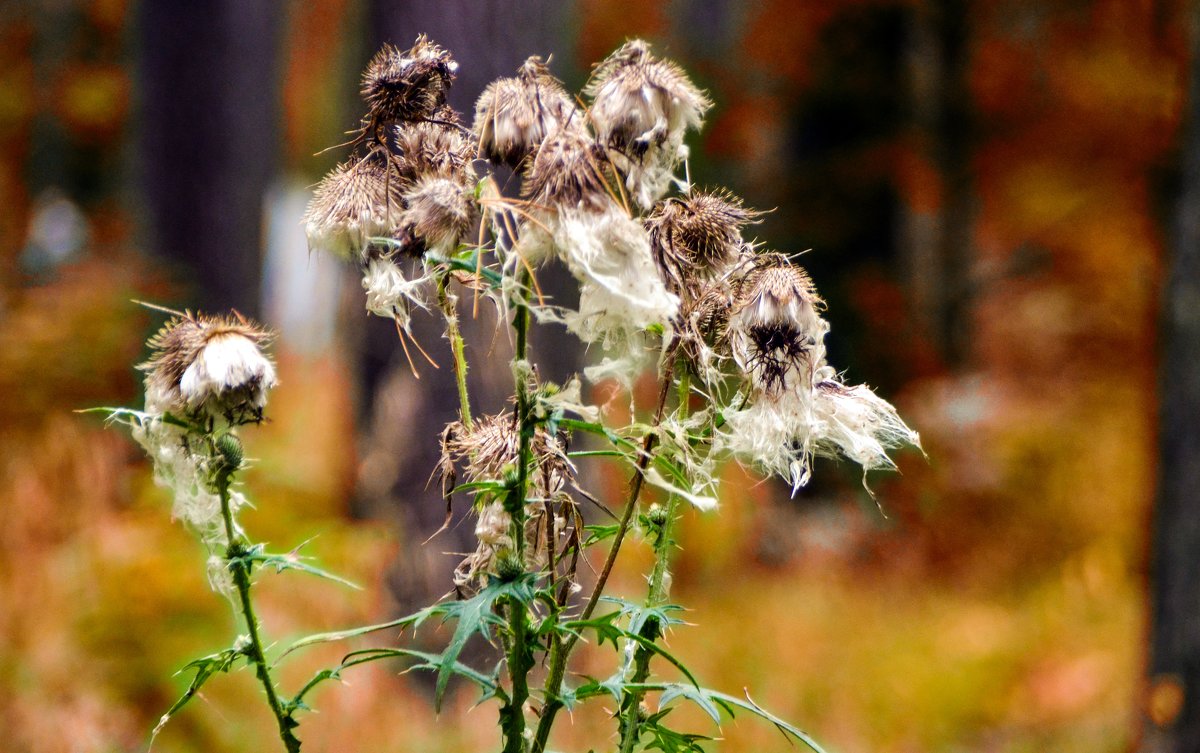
655, 595
238, 565
560, 652
456, 348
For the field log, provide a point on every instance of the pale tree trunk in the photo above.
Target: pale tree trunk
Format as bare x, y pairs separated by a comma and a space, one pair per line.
1172, 704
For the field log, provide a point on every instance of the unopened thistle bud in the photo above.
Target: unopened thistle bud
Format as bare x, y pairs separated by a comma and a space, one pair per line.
230, 449
210, 364
697, 237
358, 200
775, 329
509, 567
407, 85
515, 115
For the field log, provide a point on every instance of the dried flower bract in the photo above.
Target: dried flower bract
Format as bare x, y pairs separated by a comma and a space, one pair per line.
407, 85
209, 364
514, 115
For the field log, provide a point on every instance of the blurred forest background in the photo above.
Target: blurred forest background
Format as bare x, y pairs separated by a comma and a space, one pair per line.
993, 192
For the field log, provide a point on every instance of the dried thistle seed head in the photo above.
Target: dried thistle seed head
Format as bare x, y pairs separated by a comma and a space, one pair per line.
570, 170
702, 327
437, 149
856, 423
514, 115
494, 525
640, 102
441, 213
210, 364
697, 237
407, 85
775, 328
358, 200
491, 447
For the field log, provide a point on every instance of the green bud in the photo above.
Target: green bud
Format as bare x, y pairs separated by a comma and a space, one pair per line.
509, 567
657, 515
230, 449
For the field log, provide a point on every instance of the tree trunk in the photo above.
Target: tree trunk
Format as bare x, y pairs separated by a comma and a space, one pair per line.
1172, 709
936, 239
403, 416
208, 137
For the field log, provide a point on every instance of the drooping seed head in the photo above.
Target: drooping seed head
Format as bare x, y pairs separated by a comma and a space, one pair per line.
211, 365
356, 201
857, 424
775, 328
514, 115
640, 102
491, 447
407, 85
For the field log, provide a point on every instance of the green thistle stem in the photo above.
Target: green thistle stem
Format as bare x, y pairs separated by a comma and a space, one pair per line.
241, 579
456, 347
520, 658
560, 652
656, 595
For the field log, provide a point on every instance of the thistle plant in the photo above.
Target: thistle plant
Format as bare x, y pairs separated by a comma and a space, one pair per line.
667, 282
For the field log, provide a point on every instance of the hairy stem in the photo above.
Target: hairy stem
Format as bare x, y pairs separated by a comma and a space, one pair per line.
655, 595
520, 662
520, 657
241, 579
561, 651
456, 347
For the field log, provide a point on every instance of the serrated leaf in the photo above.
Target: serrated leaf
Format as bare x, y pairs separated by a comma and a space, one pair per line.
413, 620
432, 662
206, 667
601, 532
476, 615
712, 701
670, 741
603, 625
283, 562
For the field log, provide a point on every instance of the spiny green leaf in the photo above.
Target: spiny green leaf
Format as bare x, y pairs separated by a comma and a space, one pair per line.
668, 740
412, 620
603, 625
292, 561
488, 684
475, 615
711, 701
206, 667
600, 532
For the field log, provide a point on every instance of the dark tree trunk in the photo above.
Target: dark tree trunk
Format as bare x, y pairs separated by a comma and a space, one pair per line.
1173, 701
403, 417
208, 138
937, 244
